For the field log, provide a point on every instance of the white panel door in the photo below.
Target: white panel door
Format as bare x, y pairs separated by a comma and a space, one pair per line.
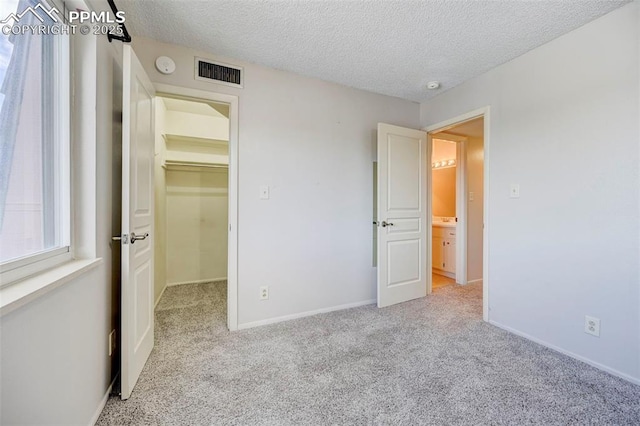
402, 214
137, 220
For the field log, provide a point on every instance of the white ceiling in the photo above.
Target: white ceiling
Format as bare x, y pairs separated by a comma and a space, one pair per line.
389, 47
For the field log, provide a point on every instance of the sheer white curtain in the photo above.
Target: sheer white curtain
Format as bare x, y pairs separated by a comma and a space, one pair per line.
13, 90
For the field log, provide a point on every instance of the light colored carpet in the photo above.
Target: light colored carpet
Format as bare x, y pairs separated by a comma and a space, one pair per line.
431, 361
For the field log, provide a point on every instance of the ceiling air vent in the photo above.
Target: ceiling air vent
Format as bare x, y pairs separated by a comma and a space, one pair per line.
218, 72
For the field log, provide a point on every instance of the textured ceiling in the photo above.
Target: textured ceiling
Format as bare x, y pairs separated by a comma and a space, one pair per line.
389, 47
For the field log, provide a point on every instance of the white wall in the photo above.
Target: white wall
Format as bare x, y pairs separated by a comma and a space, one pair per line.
443, 180
443, 150
564, 125
443, 192
197, 219
55, 365
313, 143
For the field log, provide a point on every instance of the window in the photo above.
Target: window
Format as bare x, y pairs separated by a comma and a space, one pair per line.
34, 144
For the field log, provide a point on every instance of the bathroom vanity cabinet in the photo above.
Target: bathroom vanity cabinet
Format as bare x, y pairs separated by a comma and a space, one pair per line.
444, 249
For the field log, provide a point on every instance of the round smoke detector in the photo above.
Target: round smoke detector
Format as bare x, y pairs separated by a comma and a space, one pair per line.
432, 85
165, 65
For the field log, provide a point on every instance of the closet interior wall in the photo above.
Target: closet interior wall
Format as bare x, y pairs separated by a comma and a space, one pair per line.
191, 192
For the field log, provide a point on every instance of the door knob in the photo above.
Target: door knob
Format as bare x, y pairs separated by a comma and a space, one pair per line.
385, 224
135, 237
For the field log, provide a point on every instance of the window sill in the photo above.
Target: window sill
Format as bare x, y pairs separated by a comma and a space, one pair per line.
19, 294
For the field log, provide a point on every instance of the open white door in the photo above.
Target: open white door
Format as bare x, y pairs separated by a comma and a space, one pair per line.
137, 220
402, 214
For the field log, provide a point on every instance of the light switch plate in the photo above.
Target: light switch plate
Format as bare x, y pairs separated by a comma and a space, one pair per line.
264, 192
471, 196
514, 190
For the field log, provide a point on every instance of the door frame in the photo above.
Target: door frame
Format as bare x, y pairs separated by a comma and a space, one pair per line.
443, 126
232, 245
461, 204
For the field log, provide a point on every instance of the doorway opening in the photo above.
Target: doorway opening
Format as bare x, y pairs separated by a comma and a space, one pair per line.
457, 203
147, 153
191, 204
445, 166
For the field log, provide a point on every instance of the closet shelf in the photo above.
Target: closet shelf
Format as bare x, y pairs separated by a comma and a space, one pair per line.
182, 140
193, 166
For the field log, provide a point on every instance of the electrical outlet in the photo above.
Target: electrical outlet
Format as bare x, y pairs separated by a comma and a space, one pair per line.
112, 342
264, 292
592, 325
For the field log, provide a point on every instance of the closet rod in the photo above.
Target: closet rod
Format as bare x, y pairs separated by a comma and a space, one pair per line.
125, 37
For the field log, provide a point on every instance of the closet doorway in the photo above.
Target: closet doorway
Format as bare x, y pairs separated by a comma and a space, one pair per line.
192, 204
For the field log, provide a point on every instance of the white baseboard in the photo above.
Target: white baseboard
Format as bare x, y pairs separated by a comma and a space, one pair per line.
479, 280
160, 297
103, 402
592, 363
208, 280
304, 314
